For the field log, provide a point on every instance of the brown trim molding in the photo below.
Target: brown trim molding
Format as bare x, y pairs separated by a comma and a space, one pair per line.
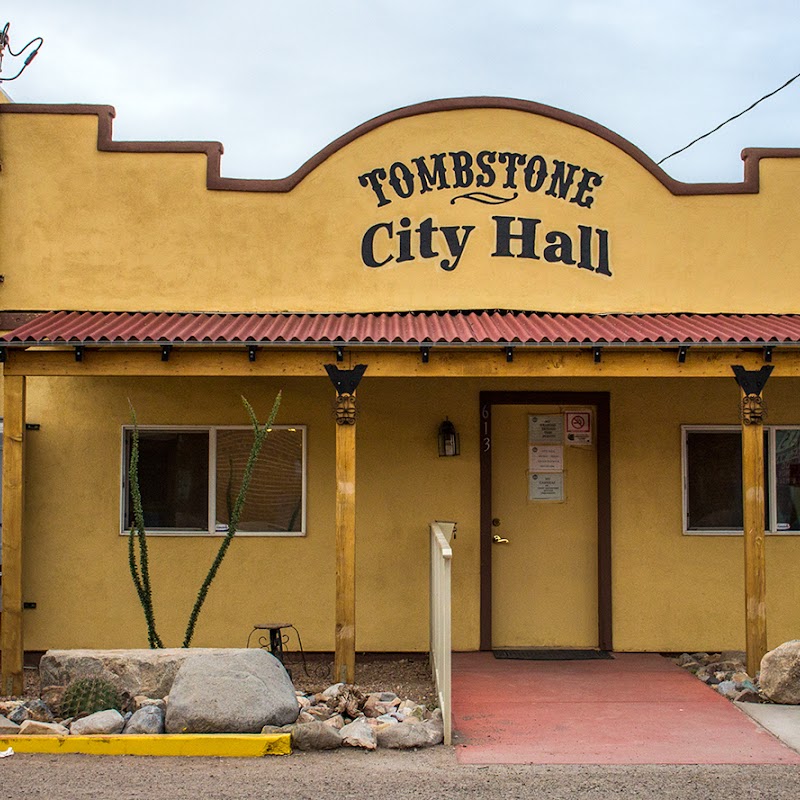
213, 150
9, 320
601, 401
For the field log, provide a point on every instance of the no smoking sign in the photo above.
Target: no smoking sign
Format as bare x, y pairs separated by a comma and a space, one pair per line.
578, 426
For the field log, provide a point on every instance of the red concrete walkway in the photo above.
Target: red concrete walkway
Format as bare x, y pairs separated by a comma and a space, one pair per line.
634, 709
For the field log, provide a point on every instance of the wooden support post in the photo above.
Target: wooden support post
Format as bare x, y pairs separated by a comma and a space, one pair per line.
345, 658
11, 640
753, 492
345, 382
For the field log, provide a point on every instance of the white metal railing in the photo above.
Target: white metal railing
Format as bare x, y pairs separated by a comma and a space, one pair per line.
441, 646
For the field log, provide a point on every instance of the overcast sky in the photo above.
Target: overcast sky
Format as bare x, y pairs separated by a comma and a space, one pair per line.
277, 81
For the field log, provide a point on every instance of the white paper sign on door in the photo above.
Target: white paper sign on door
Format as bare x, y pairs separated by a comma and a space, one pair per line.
546, 486
546, 457
546, 428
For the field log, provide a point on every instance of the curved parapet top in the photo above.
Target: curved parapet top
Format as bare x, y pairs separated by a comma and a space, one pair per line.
214, 150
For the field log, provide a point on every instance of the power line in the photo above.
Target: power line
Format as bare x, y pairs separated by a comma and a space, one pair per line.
735, 116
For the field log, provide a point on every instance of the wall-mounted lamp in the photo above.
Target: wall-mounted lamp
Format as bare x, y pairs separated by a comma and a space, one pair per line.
449, 444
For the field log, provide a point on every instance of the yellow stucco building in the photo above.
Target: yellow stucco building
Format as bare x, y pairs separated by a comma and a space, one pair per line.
513, 269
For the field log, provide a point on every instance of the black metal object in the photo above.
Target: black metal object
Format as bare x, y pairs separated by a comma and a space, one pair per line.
251, 352
166, 349
275, 637
509, 354
682, 351
79, 352
345, 381
597, 353
340, 352
426, 354
752, 381
768, 353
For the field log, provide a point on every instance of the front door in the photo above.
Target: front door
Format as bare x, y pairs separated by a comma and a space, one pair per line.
544, 557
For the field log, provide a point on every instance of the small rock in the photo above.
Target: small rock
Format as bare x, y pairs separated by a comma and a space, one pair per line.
359, 734
303, 718
725, 666
336, 721
19, 715
319, 713
748, 696
7, 727
140, 701
303, 702
332, 691
315, 736
684, 659
409, 735
148, 719
37, 710
740, 677
727, 688
277, 728
30, 727
387, 719
106, 723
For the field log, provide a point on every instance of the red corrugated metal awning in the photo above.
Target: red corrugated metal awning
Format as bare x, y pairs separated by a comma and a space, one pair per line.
405, 328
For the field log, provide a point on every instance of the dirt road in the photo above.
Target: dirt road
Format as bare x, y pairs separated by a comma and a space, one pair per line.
424, 775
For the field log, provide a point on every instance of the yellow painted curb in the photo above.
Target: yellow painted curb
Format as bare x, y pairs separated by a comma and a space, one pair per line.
239, 745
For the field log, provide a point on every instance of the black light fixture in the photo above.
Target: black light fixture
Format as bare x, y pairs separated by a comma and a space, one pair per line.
449, 444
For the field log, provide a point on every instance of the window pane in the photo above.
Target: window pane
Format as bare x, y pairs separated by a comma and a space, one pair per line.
275, 496
714, 480
173, 477
714, 476
787, 485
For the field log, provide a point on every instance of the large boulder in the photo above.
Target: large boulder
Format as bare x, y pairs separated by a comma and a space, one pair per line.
230, 691
135, 672
780, 673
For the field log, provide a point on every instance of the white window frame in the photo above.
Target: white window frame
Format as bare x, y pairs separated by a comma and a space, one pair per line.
212, 480
771, 488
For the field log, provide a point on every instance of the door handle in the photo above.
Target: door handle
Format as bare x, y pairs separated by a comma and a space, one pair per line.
497, 539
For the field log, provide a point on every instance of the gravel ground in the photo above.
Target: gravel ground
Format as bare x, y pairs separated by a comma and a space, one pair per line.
422, 775
408, 676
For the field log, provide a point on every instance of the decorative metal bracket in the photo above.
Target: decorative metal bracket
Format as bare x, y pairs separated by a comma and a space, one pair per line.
752, 382
345, 382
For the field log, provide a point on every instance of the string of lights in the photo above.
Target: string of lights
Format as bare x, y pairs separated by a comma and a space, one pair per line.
5, 45
731, 119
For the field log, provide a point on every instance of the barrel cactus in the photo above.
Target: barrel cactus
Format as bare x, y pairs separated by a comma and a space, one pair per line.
87, 695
